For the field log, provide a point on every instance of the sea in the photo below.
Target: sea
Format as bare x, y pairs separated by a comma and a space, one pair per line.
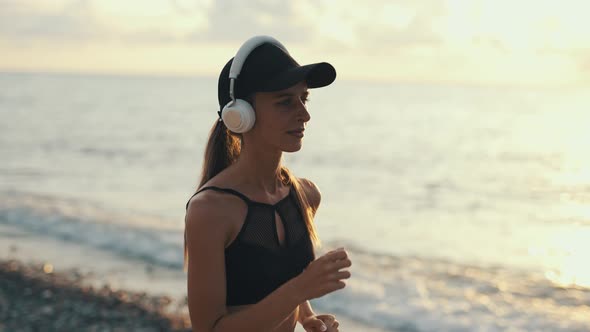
463, 207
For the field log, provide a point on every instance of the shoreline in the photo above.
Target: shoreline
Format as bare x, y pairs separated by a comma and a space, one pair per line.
110, 277
34, 297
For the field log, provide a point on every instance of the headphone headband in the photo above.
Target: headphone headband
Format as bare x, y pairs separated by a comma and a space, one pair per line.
243, 53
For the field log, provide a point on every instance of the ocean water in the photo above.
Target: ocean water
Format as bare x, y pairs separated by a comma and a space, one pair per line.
463, 208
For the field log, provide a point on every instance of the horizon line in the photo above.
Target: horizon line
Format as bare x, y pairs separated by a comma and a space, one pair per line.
145, 74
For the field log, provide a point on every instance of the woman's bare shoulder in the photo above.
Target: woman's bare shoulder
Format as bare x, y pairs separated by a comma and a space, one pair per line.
205, 207
212, 201
211, 210
311, 191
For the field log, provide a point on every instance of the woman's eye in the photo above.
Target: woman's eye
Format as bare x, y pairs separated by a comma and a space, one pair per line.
285, 102
289, 101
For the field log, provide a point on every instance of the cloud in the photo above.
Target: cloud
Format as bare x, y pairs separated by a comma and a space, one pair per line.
236, 21
90, 21
371, 28
24, 22
421, 38
375, 25
418, 30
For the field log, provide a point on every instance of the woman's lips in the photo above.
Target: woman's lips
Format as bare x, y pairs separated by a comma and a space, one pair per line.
296, 133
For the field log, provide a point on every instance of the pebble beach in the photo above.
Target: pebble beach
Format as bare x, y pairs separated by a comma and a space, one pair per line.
33, 297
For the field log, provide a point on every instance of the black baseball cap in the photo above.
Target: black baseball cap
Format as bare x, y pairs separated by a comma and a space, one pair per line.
268, 68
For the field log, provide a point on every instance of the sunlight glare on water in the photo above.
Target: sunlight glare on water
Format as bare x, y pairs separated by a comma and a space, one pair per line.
567, 259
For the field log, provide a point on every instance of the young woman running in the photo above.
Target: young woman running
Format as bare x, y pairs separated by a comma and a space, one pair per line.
249, 235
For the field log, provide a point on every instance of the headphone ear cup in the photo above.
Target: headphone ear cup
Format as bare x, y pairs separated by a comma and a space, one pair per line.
238, 116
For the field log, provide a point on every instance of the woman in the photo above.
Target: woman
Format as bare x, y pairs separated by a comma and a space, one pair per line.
249, 235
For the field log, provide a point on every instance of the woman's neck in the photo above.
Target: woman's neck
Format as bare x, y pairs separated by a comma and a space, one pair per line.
260, 168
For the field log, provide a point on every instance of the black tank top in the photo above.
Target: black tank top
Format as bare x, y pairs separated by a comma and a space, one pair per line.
255, 262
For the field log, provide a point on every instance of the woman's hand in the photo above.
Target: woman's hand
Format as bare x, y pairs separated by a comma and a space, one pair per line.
323, 275
320, 323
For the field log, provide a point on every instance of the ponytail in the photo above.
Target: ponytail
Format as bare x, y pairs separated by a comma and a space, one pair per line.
223, 149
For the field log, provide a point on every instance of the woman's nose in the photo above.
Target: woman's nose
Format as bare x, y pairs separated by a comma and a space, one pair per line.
303, 113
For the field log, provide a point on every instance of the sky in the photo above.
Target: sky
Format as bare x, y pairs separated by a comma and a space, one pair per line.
498, 42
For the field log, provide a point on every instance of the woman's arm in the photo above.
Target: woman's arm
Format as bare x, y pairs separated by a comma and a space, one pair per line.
314, 196
207, 231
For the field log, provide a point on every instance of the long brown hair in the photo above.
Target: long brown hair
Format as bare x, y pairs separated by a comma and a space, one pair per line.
223, 149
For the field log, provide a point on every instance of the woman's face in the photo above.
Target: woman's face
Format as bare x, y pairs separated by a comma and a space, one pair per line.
281, 118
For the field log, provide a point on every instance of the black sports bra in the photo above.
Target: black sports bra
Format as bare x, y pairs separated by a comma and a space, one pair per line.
255, 262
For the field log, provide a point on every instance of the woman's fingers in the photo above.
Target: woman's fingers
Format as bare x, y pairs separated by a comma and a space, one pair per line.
334, 286
337, 266
336, 254
330, 322
327, 319
340, 284
341, 275
341, 264
316, 324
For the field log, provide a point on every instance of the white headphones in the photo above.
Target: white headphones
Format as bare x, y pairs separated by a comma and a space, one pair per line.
238, 115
